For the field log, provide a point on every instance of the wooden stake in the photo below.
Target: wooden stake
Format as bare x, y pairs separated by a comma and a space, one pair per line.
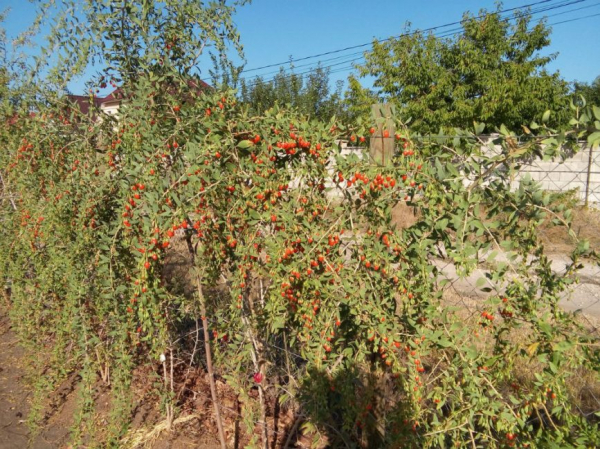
382, 148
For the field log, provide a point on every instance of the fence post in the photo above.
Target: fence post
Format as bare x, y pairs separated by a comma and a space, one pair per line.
588, 178
382, 148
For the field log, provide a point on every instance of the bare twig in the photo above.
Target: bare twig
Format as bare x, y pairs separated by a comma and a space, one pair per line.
12, 202
259, 369
195, 343
292, 432
209, 367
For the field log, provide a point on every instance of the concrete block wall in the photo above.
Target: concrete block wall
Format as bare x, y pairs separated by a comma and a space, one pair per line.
555, 176
560, 176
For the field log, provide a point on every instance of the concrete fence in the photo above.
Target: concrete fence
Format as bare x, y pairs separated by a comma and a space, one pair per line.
581, 171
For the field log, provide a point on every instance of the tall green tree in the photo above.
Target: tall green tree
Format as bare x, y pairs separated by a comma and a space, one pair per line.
492, 72
357, 100
127, 40
589, 91
310, 94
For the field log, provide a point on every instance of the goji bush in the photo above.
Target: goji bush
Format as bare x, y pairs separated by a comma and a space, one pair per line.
310, 290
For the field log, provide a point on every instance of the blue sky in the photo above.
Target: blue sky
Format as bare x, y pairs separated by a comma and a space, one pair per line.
272, 31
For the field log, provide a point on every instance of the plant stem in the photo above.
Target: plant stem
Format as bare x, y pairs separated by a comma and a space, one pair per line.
258, 367
209, 366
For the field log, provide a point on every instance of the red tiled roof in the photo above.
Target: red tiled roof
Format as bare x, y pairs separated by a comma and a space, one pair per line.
83, 101
115, 95
199, 84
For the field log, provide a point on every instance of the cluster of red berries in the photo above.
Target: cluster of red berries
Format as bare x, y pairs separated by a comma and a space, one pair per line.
487, 316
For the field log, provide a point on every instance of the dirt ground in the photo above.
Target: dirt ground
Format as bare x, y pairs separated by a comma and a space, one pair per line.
585, 224
13, 393
194, 426
15, 396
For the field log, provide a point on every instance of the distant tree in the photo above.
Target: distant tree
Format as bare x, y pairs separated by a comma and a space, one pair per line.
491, 72
310, 94
14, 86
591, 92
357, 100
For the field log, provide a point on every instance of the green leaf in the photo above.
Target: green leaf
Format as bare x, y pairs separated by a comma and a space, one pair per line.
442, 224
243, 144
347, 352
546, 116
594, 138
444, 342
546, 328
563, 346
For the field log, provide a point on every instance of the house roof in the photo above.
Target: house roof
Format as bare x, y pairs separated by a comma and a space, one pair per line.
83, 101
199, 84
117, 95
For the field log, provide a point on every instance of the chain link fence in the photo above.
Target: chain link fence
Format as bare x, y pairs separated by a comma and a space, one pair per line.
580, 172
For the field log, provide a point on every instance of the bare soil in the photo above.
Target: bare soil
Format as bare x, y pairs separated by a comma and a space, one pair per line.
15, 397
194, 427
15, 400
585, 224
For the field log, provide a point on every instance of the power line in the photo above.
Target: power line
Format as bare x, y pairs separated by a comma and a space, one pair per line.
447, 33
572, 10
366, 44
351, 67
454, 32
561, 4
575, 19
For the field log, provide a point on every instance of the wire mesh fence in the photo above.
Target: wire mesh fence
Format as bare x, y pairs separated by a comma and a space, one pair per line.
582, 297
580, 172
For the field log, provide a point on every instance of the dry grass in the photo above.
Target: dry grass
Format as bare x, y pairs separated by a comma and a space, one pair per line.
146, 438
583, 385
586, 225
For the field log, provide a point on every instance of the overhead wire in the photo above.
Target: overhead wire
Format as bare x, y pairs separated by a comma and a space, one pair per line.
534, 11
447, 33
576, 19
352, 67
366, 44
352, 58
